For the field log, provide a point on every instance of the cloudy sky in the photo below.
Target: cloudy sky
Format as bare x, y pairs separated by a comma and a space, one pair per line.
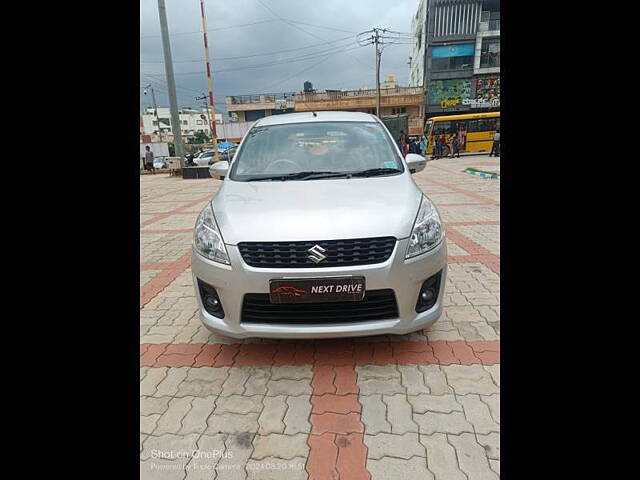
281, 43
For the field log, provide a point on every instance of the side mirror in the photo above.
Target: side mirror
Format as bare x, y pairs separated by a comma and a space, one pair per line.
415, 162
219, 169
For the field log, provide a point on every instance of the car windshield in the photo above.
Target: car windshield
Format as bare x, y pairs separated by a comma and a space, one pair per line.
315, 147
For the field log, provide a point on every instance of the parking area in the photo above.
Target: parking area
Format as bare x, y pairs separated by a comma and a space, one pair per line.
423, 405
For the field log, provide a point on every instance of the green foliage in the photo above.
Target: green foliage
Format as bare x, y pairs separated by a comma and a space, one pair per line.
199, 138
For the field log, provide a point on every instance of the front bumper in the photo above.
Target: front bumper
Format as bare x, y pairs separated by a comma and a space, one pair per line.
405, 277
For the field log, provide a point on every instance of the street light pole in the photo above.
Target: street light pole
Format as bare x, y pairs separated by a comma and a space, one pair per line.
176, 126
375, 42
204, 97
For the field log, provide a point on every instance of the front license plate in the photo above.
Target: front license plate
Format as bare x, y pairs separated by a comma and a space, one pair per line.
315, 290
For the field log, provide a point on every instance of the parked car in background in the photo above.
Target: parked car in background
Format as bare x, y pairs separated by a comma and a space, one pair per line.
160, 162
204, 158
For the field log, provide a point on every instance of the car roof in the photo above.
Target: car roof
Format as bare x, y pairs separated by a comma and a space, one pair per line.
305, 117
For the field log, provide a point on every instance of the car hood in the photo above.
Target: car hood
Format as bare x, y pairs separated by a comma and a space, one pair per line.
316, 209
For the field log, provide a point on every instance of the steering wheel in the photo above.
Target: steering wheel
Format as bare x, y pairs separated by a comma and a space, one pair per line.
283, 161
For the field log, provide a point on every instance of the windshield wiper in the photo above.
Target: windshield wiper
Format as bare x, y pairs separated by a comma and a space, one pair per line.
372, 172
296, 176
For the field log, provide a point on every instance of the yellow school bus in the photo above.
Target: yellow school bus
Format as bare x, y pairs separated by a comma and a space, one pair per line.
475, 131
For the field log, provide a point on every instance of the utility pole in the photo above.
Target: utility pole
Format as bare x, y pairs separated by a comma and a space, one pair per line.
176, 126
155, 108
376, 42
214, 135
204, 97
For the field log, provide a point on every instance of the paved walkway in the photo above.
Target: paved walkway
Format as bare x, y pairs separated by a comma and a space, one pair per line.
424, 405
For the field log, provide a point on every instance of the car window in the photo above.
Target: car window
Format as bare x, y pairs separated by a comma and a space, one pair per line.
315, 147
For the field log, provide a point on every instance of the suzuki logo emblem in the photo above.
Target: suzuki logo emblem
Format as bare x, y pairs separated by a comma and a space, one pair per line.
316, 254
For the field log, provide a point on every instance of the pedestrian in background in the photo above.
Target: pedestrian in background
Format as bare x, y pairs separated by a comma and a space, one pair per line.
402, 142
455, 145
423, 146
148, 159
495, 148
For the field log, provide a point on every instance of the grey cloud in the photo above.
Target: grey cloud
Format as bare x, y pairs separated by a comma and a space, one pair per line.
353, 69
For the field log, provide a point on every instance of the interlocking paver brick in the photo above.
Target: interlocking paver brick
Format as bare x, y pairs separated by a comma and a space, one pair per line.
291, 372
435, 379
149, 383
441, 457
171, 420
323, 455
432, 422
352, 457
335, 403
494, 370
399, 414
195, 421
470, 379
477, 412
288, 387
238, 449
495, 465
379, 379
203, 381
271, 419
211, 449
491, 444
171, 382
234, 384
258, 379
280, 446
296, 418
374, 414
389, 467
393, 445
239, 404
434, 403
493, 402
232, 423
152, 405
472, 457
336, 423
413, 379
148, 423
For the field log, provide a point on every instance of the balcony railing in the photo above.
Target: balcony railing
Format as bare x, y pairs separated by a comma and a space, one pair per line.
338, 95
261, 98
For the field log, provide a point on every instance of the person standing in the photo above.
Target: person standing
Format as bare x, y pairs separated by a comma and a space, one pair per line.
495, 148
423, 146
455, 145
402, 142
148, 159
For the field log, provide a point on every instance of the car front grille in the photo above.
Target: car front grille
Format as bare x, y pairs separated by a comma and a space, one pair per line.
339, 253
377, 305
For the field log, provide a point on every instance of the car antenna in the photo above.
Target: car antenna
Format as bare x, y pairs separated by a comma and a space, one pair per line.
314, 114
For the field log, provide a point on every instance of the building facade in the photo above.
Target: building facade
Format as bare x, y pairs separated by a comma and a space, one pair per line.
394, 99
462, 56
191, 122
418, 49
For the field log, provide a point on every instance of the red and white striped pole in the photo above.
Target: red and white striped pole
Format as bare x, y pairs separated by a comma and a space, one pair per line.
214, 135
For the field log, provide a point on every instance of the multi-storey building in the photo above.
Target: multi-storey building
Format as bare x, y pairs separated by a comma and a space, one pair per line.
461, 55
191, 121
394, 99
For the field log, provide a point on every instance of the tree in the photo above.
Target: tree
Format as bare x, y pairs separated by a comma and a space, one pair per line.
199, 138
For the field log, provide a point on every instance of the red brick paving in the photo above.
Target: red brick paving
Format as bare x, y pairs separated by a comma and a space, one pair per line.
162, 280
338, 378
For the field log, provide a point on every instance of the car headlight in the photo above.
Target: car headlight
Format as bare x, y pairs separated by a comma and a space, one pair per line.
207, 237
427, 229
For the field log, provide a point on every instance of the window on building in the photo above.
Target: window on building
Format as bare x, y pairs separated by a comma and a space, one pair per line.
251, 115
184, 122
452, 57
155, 123
490, 52
398, 110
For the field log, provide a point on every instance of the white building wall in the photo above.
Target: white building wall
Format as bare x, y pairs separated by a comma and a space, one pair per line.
189, 121
418, 29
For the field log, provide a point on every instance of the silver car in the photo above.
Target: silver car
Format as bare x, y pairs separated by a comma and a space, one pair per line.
318, 231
